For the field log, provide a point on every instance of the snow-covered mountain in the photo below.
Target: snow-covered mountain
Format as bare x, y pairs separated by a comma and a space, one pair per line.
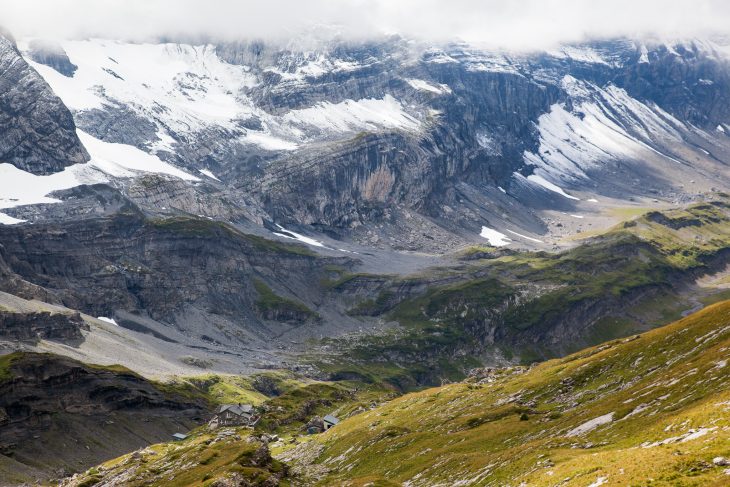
389, 143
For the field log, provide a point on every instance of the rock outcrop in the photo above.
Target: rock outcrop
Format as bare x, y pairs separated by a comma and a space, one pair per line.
58, 415
201, 275
37, 131
41, 325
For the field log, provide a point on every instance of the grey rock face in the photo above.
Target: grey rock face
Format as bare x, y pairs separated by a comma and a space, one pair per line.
117, 124
163, 269
41, 325
52, 55
37, 132
48, 402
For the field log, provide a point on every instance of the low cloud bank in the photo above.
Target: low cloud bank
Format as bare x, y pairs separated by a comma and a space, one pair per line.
510, 24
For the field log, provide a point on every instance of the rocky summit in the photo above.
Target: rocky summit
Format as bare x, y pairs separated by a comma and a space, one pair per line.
342, 255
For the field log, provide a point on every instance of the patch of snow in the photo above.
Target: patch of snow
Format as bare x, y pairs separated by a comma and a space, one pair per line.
486, 141
296, 236
577, 216
206, 172
268, 142
644, 57
422, 85
579, 53
107, 320
164, 143
495, 238
501, 189
350, 115
295, 68
439, 57
19, 188
592, 200
123, 160
591, 425
525, 237
541, 181
605, 123
9, 220
720, 128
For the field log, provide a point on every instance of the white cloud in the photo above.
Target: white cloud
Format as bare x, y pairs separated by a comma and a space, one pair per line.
516, 24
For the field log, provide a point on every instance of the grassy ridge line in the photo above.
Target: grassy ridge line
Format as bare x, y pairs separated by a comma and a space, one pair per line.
666, 392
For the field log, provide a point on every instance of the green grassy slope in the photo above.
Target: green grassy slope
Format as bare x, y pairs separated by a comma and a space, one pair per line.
531, 306
663, 398
224, 457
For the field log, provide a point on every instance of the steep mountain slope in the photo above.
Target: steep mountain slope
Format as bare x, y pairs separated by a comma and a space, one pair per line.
647, 409
397, 145
37, 131
282, 305
57, 415
494, 307
224, 289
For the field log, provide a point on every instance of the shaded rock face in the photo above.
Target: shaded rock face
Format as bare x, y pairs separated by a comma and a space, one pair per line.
37, 131
162, 268
52, 55
48, 401
41, 325
684, 81
287, 314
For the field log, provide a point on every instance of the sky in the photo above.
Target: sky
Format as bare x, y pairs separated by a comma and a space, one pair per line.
515, 24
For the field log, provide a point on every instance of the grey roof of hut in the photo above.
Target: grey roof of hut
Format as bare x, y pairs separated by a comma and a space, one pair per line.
238, 409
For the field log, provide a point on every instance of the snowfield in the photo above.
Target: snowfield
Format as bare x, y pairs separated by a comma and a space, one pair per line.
9, 220
605, 125
495, 238
186, 89
541, 181
19, 188
352, 115
122, 160
422, 85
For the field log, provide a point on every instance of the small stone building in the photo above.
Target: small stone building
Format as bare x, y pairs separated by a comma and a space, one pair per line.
234, 415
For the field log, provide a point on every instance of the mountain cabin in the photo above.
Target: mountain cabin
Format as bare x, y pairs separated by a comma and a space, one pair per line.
234, 415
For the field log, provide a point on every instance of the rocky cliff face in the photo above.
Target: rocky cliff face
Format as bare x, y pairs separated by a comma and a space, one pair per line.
184, 271
58, 415
37, 131
41, 325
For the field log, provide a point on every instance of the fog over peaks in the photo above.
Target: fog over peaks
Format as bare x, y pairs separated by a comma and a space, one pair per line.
511, 24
